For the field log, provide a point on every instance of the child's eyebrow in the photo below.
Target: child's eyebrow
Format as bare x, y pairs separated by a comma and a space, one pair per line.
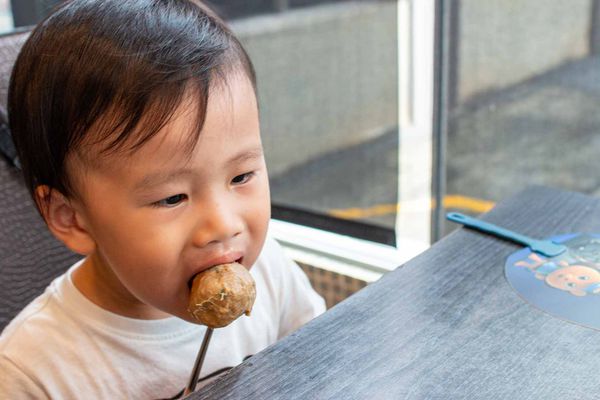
246, 155
161, 177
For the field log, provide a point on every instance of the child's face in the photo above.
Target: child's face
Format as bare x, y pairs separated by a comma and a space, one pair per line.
574, 279
159, 217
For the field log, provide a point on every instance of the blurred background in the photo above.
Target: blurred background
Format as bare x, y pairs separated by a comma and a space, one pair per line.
379, 116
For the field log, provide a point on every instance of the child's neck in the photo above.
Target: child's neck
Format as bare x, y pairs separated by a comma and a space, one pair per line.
96, 281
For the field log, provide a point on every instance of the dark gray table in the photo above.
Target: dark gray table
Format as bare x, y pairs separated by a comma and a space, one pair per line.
446, 325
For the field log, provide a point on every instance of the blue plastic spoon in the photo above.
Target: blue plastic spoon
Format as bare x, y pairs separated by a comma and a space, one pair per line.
544, 247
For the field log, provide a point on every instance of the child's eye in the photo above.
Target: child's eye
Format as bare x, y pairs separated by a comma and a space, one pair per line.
170, 201
243, 178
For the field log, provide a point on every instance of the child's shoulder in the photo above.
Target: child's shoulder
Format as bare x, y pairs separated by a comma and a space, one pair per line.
279, 272
271, 252
32, 315
288, 287
35, 327
272, 263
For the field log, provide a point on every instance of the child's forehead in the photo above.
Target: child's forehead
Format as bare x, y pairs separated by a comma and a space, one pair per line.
175, 135
115, 138
164, 152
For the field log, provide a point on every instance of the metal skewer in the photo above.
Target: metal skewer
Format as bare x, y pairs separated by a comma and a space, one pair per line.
191, 386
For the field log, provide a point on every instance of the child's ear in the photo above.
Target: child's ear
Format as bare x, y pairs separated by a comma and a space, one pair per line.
64, 220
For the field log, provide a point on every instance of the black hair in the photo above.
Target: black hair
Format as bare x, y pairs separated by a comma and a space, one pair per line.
101, 66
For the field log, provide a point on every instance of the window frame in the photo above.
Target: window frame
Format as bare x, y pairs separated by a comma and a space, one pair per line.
365, 259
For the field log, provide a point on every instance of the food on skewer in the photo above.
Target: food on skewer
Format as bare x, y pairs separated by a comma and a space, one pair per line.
221, 294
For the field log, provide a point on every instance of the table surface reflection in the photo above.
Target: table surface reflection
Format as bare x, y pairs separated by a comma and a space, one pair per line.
446, 325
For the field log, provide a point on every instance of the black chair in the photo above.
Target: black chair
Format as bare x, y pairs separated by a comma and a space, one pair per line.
30, 257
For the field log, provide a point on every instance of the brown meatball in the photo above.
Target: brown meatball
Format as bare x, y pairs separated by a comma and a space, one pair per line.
221, 294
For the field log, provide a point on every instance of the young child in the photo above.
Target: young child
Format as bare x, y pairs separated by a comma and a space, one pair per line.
136, 124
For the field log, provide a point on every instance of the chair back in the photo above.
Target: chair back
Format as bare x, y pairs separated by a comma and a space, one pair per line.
30, 257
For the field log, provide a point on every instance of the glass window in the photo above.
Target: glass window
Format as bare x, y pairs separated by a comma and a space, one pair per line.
330, 91
523, 99
6, 18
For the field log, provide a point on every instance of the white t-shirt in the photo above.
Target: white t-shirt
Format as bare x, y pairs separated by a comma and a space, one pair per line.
63, 346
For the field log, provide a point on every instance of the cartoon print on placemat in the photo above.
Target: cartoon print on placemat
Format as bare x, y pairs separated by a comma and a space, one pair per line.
566, 286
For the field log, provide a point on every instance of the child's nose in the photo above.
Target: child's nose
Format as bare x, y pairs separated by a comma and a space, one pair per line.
217, 223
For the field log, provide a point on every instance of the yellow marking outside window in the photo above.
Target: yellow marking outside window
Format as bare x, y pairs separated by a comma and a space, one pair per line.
456, 202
